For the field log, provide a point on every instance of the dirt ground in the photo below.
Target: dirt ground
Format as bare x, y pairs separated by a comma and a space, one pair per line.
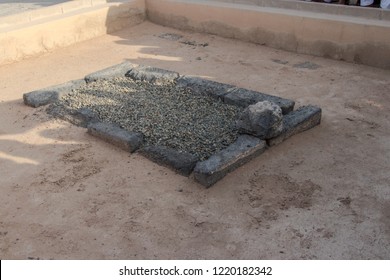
323, 194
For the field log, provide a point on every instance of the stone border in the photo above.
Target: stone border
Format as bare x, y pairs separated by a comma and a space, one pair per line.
181, 162
118, 70
216, 167
126, 140
49, 95
297, 121
206, 172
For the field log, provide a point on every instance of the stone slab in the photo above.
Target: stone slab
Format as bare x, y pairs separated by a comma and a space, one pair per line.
85, 117
152, 74
49, 95
181, 162
202, 86
216, 167
126, 140
244, 97
82, 117
118, 70
297, 121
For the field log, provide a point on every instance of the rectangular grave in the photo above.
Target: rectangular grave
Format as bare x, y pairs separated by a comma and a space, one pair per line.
185, 123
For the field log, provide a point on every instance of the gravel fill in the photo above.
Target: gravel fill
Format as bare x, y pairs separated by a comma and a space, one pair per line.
167, 115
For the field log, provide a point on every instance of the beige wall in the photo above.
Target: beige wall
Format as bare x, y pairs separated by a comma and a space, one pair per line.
353, 39
333, 31
54, 27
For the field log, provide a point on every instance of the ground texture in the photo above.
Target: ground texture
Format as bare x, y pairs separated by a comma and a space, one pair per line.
321, 194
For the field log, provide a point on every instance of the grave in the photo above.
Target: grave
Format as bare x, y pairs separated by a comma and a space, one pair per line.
189, 124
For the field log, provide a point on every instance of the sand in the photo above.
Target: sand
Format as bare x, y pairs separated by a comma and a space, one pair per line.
323, 194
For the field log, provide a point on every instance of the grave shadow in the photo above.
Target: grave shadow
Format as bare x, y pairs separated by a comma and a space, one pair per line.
20, 148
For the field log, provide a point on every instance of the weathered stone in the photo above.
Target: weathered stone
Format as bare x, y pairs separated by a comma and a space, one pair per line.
152, 74
244, 97
49, 95
40, 97
118, 70
85, 117
297, 121
263, 120
202, 86
81, 117
126, 140
246, 147
181, 162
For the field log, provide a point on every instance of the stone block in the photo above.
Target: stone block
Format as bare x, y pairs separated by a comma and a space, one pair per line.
152, 75
181, 162
263, 120
244, 97
126, 140
118, 70
49, 95
297, 121
85, 117
204, 87
246, 147
82, 117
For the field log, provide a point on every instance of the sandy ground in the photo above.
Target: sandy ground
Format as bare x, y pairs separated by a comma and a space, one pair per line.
323, 194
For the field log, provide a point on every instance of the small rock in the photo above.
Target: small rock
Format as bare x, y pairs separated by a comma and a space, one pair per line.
171, 36
307, 65
263, 120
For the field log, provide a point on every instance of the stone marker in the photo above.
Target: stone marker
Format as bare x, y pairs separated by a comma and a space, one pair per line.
49, 95
244, 97
181, 162
206, 87
218, 165
126, 140
297, 121
263, 120
118, 70
152, 75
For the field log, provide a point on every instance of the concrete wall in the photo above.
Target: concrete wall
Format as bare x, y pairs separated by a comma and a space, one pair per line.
32, 33
353, 34
348, 37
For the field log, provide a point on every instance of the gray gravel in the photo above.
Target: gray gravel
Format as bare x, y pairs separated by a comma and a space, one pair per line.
165, 114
